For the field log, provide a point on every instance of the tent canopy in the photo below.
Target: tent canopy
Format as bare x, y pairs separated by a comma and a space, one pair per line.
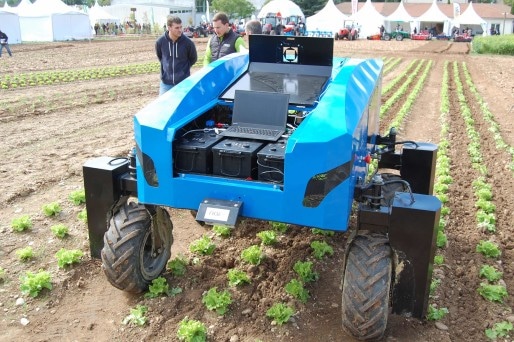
10, 25
469, 17
53, 20
400, 14
434, 15
98, 15
369, 19
23, 6
329, 19
286, 9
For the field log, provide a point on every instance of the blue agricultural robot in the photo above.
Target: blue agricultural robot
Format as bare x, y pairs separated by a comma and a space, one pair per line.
284, 133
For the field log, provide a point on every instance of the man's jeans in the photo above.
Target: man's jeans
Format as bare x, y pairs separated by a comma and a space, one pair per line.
7, 48
164, 88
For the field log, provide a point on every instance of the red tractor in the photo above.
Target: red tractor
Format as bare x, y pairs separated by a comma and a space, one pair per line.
349, 31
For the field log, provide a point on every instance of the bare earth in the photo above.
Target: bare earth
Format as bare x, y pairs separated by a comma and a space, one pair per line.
49, 132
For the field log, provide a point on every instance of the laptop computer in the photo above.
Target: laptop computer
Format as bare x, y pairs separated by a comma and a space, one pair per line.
258, 115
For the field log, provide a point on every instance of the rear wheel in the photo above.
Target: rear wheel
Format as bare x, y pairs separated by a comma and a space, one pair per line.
399, 37
366, 287
387, 37
137, 246
388, 190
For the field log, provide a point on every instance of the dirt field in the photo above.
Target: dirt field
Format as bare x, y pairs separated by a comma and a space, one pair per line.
50, 131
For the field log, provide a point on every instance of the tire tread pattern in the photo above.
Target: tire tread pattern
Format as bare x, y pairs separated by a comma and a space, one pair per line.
366, 287
121, 260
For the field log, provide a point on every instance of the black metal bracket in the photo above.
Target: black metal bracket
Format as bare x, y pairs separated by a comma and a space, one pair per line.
106, 180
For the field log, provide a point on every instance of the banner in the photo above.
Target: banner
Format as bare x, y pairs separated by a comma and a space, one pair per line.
355, 6
456, 10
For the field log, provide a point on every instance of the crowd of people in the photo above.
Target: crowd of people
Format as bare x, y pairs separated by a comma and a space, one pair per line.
114, 28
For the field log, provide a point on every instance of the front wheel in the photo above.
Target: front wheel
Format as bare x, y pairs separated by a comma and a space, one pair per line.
137, 246
366, 287
399, 37
387, 37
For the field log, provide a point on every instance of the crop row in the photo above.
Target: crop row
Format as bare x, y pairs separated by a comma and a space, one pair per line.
402, 90
442, 182
61, 101
493, 289
33, 79
485, 214
391, 63
494, 127
398, 78
411, 98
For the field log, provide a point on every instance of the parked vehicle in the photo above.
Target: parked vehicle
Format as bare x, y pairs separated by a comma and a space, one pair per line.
350, 31
314, 174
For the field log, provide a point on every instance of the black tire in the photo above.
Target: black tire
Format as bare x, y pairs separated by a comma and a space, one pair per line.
387, 37
137, 246
366, 287
399, 37
388, 190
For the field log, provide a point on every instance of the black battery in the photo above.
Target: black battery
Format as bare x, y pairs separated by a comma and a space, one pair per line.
236, 158
270, 162
192, 152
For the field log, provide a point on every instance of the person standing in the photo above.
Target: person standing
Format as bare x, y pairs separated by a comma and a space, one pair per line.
224, 41
177, 54
4, 43
253, 27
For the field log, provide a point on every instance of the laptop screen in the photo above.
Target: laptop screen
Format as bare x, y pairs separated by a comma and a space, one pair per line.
298, 66
262, 108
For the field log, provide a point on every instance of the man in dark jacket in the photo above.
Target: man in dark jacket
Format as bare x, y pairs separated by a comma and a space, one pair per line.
4, 44
225, 41
177, 54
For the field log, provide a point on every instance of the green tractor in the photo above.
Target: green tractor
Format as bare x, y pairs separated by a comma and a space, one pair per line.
397, 35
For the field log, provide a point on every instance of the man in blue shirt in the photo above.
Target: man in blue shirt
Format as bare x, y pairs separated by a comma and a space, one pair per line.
177, 54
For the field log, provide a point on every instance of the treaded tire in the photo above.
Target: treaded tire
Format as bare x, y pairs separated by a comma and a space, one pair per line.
387, 37
366, 287
388, 190
137, 246
399, 37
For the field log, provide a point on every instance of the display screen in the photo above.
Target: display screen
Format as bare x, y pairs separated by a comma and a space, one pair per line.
298, 66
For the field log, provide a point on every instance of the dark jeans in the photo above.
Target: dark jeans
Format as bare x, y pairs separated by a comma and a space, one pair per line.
6, 46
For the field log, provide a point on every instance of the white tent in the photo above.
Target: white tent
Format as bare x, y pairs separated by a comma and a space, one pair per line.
400, 15
10, 25
470, 17
98, 15
329, 19
434, 16
286, 9
22, 6
368, 19
53, 20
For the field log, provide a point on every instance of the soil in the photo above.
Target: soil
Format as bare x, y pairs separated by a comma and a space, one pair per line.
49, 132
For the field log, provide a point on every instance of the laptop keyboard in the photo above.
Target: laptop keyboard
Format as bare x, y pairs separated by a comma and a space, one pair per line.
259, 131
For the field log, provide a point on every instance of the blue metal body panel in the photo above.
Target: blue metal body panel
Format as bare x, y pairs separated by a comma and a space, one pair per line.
333, 134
